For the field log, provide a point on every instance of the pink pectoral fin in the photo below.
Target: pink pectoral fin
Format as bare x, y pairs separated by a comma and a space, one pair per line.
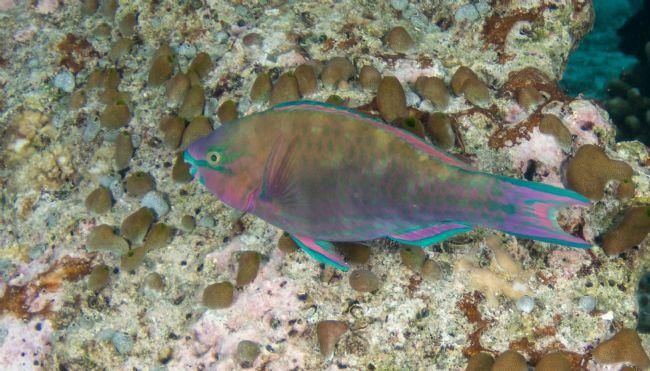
322, 251
431, 234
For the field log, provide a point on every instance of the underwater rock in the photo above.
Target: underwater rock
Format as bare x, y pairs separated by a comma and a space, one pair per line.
625, 346
391, 99
156, 201
439, 129
433, 89
218, 295
590, 169
103, 239
99, 201
249, 264
510, 360
328, 333
135, 226
363, 280
306, 78
138, 184
630, 231
336, 70
399, 39
369, 77
285, 89
261, 89
99, 277
335, 99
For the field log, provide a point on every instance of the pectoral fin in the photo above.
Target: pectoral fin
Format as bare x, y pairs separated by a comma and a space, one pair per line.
431, 234
278, 181
322, 251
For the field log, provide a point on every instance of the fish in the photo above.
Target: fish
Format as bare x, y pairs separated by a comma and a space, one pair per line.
325, 173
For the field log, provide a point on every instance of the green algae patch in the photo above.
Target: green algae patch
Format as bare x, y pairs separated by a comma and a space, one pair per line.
99, 277
337, 70
132, 259
412, 125
172, 128
218, 295
248, 266
363, 280
158, 236
227, 111
135, 226
103, 239
412, 257
123, 150
261, 89
99, 201
552, 125
328, 333
629, 232
193, 103
590, 169
399, 39
247, 352
391, 99
176, 88
115, 116
188, 223
285, 89
154, 281
369, 77
354, 252
440, 131
202, 65
433, 89
306, 78
181, 170
161, 70
138, 184
197, 128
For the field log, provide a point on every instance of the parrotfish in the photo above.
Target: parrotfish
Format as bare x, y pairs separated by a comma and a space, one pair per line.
325, 173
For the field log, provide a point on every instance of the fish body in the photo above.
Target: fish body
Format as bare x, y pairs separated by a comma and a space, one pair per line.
327, 173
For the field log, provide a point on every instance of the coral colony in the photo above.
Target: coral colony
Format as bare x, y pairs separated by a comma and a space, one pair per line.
168, 168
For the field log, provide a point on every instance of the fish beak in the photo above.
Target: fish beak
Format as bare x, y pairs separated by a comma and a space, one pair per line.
187, 157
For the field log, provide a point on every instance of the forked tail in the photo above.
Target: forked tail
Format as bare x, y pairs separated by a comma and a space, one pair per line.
533, 209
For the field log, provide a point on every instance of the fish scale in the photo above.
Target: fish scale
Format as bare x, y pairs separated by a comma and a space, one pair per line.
326, 173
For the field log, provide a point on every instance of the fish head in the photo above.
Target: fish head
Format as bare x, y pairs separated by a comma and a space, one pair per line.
224, 165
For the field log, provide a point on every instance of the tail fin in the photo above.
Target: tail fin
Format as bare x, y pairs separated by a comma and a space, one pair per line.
535, 207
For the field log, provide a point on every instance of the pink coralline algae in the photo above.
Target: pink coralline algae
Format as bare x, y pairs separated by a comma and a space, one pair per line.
270, 302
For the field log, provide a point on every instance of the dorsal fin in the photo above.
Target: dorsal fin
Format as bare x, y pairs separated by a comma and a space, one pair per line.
415, 141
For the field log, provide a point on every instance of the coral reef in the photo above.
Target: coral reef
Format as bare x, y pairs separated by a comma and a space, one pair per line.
111, 258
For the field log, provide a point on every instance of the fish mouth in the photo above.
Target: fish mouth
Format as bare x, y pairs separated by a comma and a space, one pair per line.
187, 157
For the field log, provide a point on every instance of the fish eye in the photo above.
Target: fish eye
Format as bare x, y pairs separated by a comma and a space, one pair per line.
213, 158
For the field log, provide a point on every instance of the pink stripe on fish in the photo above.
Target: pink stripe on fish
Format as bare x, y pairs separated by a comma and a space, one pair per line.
311, 243
421, 234
413, 140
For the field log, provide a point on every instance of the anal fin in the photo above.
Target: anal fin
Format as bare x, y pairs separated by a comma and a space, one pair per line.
322, 251
429, 235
